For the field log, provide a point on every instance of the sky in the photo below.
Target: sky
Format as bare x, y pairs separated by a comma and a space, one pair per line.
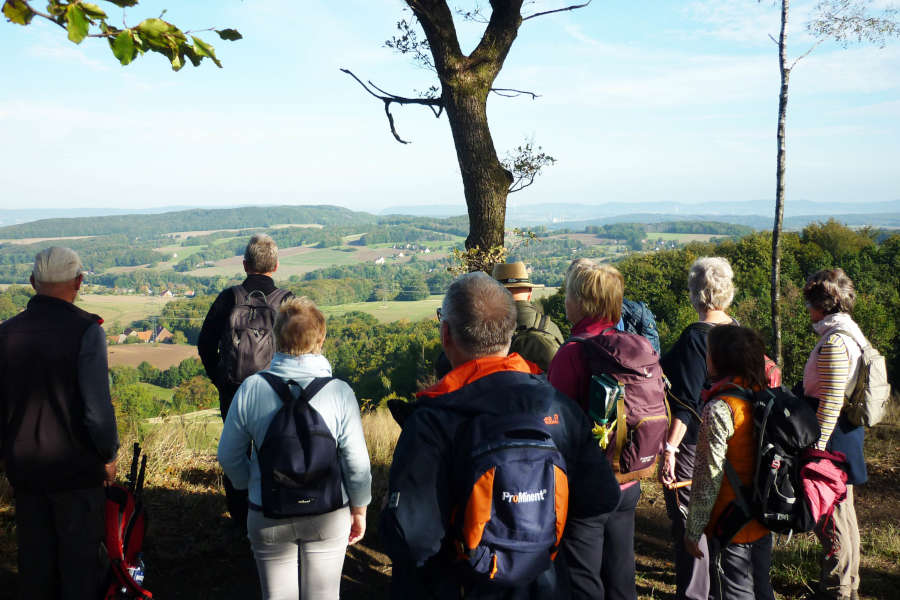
639, 101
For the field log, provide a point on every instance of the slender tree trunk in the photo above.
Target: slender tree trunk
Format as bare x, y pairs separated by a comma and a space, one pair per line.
779, 185
485, 181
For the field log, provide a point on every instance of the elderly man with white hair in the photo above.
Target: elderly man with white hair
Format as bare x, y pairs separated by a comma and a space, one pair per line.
444, 546
58, 437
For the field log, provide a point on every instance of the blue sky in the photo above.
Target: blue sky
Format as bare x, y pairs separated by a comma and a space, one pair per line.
653, 100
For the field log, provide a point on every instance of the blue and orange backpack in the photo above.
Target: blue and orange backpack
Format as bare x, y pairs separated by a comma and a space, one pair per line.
507, 525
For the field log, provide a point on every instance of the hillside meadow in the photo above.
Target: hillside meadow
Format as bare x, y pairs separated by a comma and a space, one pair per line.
192, 553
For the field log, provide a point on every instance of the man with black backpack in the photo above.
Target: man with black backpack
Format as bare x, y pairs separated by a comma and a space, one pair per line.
236, 339
491, 468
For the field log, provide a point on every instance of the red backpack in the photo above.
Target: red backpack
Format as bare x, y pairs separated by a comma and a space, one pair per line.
126, 524
627, 401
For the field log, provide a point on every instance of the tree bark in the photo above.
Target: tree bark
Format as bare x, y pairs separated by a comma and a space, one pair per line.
466, 82
779, 185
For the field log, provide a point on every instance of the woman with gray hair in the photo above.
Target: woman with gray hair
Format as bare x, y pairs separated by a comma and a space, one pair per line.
829, 377
711, 289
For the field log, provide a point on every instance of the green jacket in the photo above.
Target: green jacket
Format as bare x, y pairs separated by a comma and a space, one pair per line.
535, 340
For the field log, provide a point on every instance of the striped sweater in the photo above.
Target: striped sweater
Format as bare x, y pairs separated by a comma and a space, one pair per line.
832, 369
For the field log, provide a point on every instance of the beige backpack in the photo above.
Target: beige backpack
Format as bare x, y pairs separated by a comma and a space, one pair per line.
867, 402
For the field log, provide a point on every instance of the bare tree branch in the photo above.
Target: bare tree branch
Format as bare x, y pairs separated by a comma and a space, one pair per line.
511, 93
556, 10
772, 37
805, 54
435, 104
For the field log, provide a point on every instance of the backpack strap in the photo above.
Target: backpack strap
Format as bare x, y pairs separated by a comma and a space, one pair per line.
282, 387
277, 296
240, 294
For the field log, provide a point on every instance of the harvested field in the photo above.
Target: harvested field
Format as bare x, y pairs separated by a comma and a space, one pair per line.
122, 309
161, 356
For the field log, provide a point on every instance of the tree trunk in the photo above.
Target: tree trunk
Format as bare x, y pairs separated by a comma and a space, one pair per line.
485, 181
779, 186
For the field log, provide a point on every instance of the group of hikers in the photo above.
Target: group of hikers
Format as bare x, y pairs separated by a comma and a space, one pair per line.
516, 475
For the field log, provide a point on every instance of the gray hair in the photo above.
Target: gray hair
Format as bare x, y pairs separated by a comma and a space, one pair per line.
261, 254
481, 314
56, 264
710, 283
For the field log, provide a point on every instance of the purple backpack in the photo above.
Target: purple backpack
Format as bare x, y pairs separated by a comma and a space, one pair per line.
626, 400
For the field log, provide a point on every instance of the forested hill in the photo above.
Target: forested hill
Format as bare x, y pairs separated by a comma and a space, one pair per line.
188, 220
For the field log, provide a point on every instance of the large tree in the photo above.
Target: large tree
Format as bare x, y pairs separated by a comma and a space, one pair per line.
465, 82
843, 21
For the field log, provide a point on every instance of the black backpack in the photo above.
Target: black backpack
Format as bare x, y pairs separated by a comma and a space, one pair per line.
247, 344
786, 426
300, 473
638, 318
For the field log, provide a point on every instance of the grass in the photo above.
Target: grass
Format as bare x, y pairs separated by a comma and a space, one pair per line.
387, 312
122, 309
159, 393
191, 553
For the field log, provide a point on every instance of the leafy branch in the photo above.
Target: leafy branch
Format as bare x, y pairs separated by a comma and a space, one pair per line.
525, 163
83, 19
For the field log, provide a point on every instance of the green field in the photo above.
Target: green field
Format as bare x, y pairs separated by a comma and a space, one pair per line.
683, 238
122, 309
387, 312
159, 393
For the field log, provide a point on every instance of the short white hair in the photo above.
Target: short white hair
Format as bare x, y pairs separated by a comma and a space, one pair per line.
710, 283
56, 264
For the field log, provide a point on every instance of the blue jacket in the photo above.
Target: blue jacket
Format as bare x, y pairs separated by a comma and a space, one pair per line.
414, 523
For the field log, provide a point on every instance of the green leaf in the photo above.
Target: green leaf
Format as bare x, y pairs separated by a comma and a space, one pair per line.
153, 31
123, 3
191, 53
123, 47
18, 12
230, 35
92, 11
177, 63
78, 23
204, 49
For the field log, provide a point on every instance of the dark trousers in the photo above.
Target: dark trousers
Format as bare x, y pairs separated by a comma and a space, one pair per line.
741, 571
599, 552
237, 501
691, 574
58, 536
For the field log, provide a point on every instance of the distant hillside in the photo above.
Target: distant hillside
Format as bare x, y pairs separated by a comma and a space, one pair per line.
153, 225
754, 221
16, 216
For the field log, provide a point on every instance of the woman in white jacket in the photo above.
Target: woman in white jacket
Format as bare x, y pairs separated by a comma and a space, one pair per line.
829, 377
317, 542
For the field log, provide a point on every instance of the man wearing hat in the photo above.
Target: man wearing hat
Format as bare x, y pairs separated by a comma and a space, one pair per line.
537, 338
58, 437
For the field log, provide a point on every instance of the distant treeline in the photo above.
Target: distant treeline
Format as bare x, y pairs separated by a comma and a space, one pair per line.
189, 220
870, 259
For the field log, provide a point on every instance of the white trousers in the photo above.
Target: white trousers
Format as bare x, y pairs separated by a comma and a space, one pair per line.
301, 557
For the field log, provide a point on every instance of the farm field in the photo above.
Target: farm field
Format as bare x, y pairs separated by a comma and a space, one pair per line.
160, 393
122, 309
387, 312
161, 356
302, 260
682, 238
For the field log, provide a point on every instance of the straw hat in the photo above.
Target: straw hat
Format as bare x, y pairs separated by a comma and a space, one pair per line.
513, 275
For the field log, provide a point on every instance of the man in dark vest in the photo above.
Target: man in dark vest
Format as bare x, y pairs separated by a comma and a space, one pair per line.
58, 436
537, 338
236, 338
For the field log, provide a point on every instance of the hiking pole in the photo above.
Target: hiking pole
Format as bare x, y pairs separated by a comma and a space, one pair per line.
132, 474
140, 479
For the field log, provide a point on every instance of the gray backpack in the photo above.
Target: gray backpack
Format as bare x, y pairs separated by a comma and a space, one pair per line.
248, 344
867, 402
